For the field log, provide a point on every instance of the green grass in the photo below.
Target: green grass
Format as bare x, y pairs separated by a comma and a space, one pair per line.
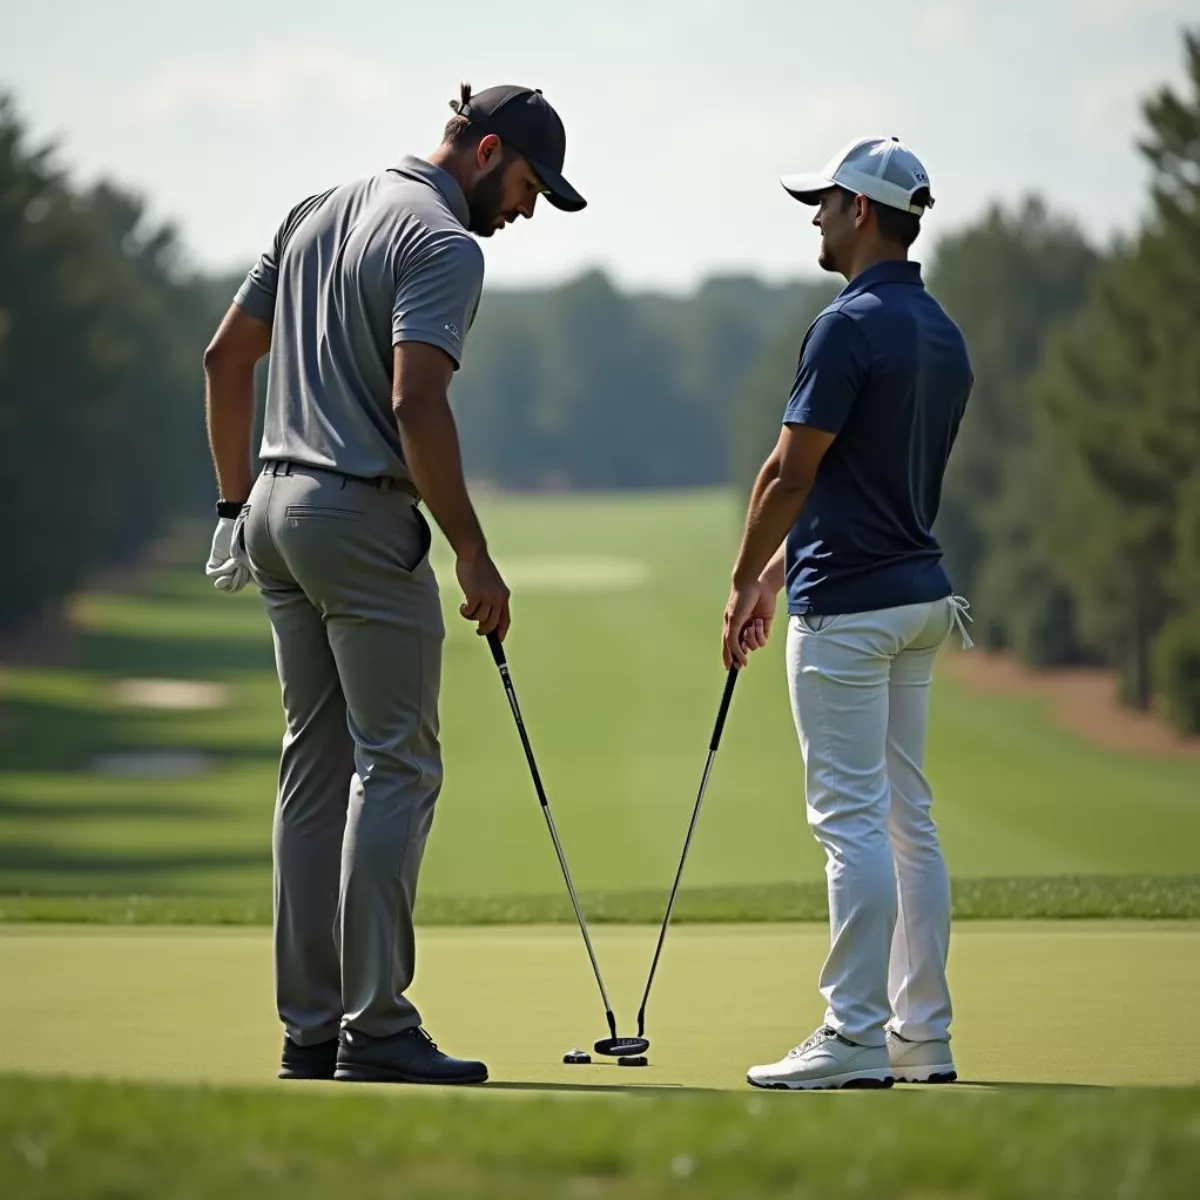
139, 1063
96, 1139
1156, 897
619, 689
1034, 1002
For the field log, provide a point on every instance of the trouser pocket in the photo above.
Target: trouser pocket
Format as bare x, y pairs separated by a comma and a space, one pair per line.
817, 622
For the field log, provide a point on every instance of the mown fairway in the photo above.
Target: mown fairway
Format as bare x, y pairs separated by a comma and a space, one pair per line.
617, 607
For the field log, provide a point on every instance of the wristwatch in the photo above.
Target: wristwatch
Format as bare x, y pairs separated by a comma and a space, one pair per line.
230, 508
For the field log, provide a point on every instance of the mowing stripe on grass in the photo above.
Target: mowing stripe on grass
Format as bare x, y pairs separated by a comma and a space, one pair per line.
1126, 897
619, 732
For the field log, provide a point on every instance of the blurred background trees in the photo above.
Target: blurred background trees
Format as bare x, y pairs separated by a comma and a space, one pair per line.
1071, 512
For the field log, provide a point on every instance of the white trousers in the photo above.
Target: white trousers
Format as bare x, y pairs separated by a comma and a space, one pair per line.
860, 697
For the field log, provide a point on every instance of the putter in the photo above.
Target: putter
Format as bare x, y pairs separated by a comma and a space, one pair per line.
714, 742
612, 1045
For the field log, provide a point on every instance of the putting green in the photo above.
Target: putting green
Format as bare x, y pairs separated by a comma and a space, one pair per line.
1037, 1002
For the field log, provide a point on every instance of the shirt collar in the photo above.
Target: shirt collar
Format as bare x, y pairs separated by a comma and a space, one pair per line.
443, 181
891, 271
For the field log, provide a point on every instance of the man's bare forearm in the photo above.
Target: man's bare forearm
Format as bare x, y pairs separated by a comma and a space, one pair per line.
229, 406
431, 450
775, 574
774, 507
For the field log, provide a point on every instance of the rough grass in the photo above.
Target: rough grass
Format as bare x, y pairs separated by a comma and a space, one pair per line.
86, 1139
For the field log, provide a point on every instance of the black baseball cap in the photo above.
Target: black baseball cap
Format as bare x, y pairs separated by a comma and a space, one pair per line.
524, 120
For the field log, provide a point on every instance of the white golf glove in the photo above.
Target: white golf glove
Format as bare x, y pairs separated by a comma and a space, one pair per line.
227, 566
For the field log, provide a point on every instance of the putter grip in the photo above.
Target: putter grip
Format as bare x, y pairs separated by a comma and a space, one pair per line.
496, 648
723, 711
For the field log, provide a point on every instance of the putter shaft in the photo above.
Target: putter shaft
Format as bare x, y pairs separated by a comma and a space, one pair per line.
714, 742
502, 666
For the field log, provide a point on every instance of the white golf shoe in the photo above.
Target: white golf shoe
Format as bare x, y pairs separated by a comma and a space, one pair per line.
826, 1060
920, 1062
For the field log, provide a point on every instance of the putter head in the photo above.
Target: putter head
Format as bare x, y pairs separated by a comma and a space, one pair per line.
622, 1047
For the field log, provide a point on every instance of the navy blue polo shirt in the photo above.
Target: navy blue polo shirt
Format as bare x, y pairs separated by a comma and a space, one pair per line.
886, 370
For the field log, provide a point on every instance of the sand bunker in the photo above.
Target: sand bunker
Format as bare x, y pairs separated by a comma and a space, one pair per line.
178, 695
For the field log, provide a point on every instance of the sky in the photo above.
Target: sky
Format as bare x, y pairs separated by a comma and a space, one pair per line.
681, 114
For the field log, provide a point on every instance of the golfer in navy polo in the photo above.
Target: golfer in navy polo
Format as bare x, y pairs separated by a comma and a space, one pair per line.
841, 515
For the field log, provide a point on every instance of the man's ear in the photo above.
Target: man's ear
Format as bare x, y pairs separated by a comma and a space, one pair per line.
489, 152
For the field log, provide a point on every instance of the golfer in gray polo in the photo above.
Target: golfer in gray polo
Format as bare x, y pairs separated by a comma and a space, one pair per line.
364, 301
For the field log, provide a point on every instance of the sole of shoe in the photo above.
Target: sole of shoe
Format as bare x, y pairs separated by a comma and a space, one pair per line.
363, 1073
291, 1073
944, 1073
876, 1078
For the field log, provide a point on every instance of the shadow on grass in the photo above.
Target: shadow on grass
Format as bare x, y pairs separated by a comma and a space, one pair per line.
677, 1089
1018, 1085
65, 810
176, 657
630, 1089
43, 736
35, 857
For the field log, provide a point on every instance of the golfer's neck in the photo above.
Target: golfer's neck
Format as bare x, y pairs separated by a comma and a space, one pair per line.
871, 256
450, 162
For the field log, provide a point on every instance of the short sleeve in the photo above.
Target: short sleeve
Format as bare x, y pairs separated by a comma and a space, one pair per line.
437, 294
832, 369
257, 294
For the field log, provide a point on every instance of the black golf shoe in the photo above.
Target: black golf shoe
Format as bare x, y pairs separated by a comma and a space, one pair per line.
408, 1057
308, 1062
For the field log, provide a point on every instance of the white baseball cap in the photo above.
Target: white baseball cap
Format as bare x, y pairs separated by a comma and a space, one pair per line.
882, 169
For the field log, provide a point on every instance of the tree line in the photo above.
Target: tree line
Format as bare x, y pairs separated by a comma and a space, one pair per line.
101, 432
584, 387
1070, 515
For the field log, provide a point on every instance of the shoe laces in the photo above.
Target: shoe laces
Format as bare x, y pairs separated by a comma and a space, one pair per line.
813, 1040
421, 1033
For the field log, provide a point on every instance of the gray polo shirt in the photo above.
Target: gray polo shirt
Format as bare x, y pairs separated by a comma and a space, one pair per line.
353, 272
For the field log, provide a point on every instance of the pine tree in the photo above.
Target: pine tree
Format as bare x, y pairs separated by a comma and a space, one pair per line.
1121, 391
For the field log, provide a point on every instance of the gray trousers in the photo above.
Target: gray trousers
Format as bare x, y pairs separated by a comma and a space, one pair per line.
353, 603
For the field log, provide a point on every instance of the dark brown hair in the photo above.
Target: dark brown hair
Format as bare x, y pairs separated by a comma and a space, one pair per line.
459, 132
895, 225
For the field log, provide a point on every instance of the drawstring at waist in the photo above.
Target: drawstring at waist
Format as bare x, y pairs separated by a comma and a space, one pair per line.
960, 609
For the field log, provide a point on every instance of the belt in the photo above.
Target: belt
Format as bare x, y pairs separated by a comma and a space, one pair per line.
382, 483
